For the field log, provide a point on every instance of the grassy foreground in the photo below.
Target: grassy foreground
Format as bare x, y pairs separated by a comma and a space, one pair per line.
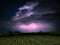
30, 40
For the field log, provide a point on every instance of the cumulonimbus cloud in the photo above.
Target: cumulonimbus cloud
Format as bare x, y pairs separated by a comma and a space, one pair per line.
25, 11
29, 9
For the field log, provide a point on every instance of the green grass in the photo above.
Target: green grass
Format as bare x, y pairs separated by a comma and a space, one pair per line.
30, 40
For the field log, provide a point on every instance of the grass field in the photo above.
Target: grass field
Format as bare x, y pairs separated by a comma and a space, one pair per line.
30, 40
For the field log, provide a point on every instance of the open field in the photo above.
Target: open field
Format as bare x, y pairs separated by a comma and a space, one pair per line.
30, 40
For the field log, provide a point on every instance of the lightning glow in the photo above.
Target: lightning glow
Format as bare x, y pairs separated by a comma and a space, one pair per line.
26, 11
34, 27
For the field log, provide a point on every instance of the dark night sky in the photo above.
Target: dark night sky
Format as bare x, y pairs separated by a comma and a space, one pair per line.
9, 8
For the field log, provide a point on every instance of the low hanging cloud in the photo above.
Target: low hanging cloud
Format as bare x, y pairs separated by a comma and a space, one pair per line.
25, 11
29, 9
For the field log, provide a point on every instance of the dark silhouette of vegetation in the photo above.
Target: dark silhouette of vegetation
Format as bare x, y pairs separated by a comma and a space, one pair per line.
10, 33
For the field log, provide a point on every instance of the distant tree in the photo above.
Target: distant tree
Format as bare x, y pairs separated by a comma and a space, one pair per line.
16, 32
10, 32
40, 31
